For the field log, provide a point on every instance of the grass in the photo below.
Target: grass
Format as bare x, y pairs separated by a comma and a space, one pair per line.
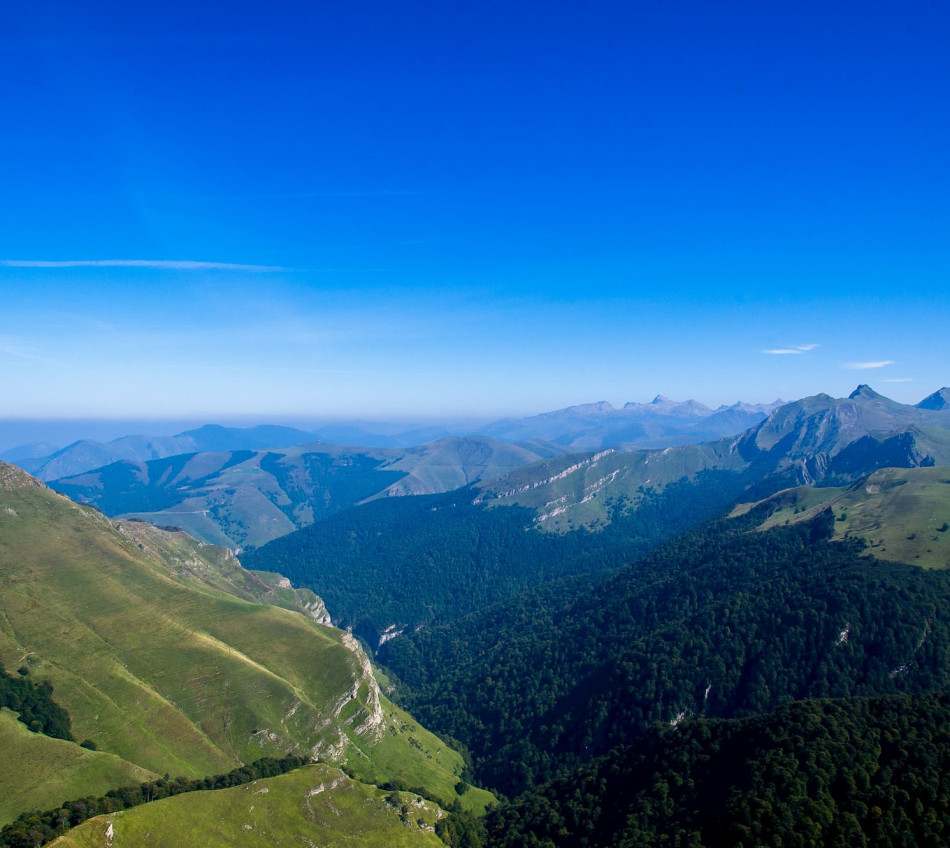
390, 762
40, 773
569, 492
162, 656
316, 805
903, 514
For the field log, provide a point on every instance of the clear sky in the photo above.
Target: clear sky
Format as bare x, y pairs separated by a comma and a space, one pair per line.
404, 208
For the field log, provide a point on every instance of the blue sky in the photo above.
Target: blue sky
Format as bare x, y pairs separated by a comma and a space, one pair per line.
408, 209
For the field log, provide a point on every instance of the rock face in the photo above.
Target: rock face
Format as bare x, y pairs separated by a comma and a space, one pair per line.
938, 401
662, 405
802, 432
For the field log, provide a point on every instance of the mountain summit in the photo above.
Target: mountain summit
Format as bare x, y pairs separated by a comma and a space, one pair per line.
865, 392
662, 405
938, 401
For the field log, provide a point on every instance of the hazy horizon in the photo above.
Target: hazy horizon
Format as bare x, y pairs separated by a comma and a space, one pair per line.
62, 431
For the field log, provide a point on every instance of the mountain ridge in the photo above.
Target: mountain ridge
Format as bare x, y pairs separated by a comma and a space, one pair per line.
168, 655
581, 425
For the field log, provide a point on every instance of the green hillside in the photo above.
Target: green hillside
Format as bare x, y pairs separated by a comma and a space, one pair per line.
453, 462
902, 514
579, 490
164, 655
238, 498
247, 498
815, 440
315, 805
40, 772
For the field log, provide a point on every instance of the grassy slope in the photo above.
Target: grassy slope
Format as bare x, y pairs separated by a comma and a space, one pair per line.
897, 511
316, 805
49, 771
800, 440
169, 671
450, 463
575, 490
248, 498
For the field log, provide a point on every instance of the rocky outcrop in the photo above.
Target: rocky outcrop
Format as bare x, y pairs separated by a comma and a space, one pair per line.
12, 478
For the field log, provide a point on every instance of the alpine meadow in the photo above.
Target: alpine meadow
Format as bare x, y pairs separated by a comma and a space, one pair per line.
477, 425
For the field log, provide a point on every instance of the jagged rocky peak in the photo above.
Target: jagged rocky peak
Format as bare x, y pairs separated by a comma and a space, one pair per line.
866, 392
742, 406
938, 401
662, 405
600, 406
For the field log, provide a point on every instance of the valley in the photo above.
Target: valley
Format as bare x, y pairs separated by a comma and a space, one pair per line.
474, 425
517, 617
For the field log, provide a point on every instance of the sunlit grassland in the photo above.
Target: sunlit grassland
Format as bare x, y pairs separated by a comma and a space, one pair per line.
315, 805
902, 514
39, 772
161, 656
577, 490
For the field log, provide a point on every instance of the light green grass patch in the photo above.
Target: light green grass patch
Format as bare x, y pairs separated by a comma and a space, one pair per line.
40, 772
902, 514
313, 806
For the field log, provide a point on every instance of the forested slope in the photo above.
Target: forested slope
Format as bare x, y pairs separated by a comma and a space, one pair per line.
836, 773
721, 622
408, 561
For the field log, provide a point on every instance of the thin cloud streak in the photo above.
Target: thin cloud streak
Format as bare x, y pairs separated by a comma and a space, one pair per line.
787, 351
159, 264
15, 347
865, 366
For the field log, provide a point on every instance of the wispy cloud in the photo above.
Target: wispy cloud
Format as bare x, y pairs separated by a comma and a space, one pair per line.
13, 346
785, 351
866, 366
159, 264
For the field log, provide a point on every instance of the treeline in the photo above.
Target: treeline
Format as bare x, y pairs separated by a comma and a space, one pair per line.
34, 703
37, 828
436, 558
721, 622
820, 773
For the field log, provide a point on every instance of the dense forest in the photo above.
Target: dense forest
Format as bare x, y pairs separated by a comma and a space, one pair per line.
436, 558
835, 773
721, 622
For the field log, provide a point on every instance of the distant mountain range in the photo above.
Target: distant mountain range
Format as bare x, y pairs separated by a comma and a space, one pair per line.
660, 423
248, 497
87, 453
818, 439
469, 548
243, 487
657, 424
